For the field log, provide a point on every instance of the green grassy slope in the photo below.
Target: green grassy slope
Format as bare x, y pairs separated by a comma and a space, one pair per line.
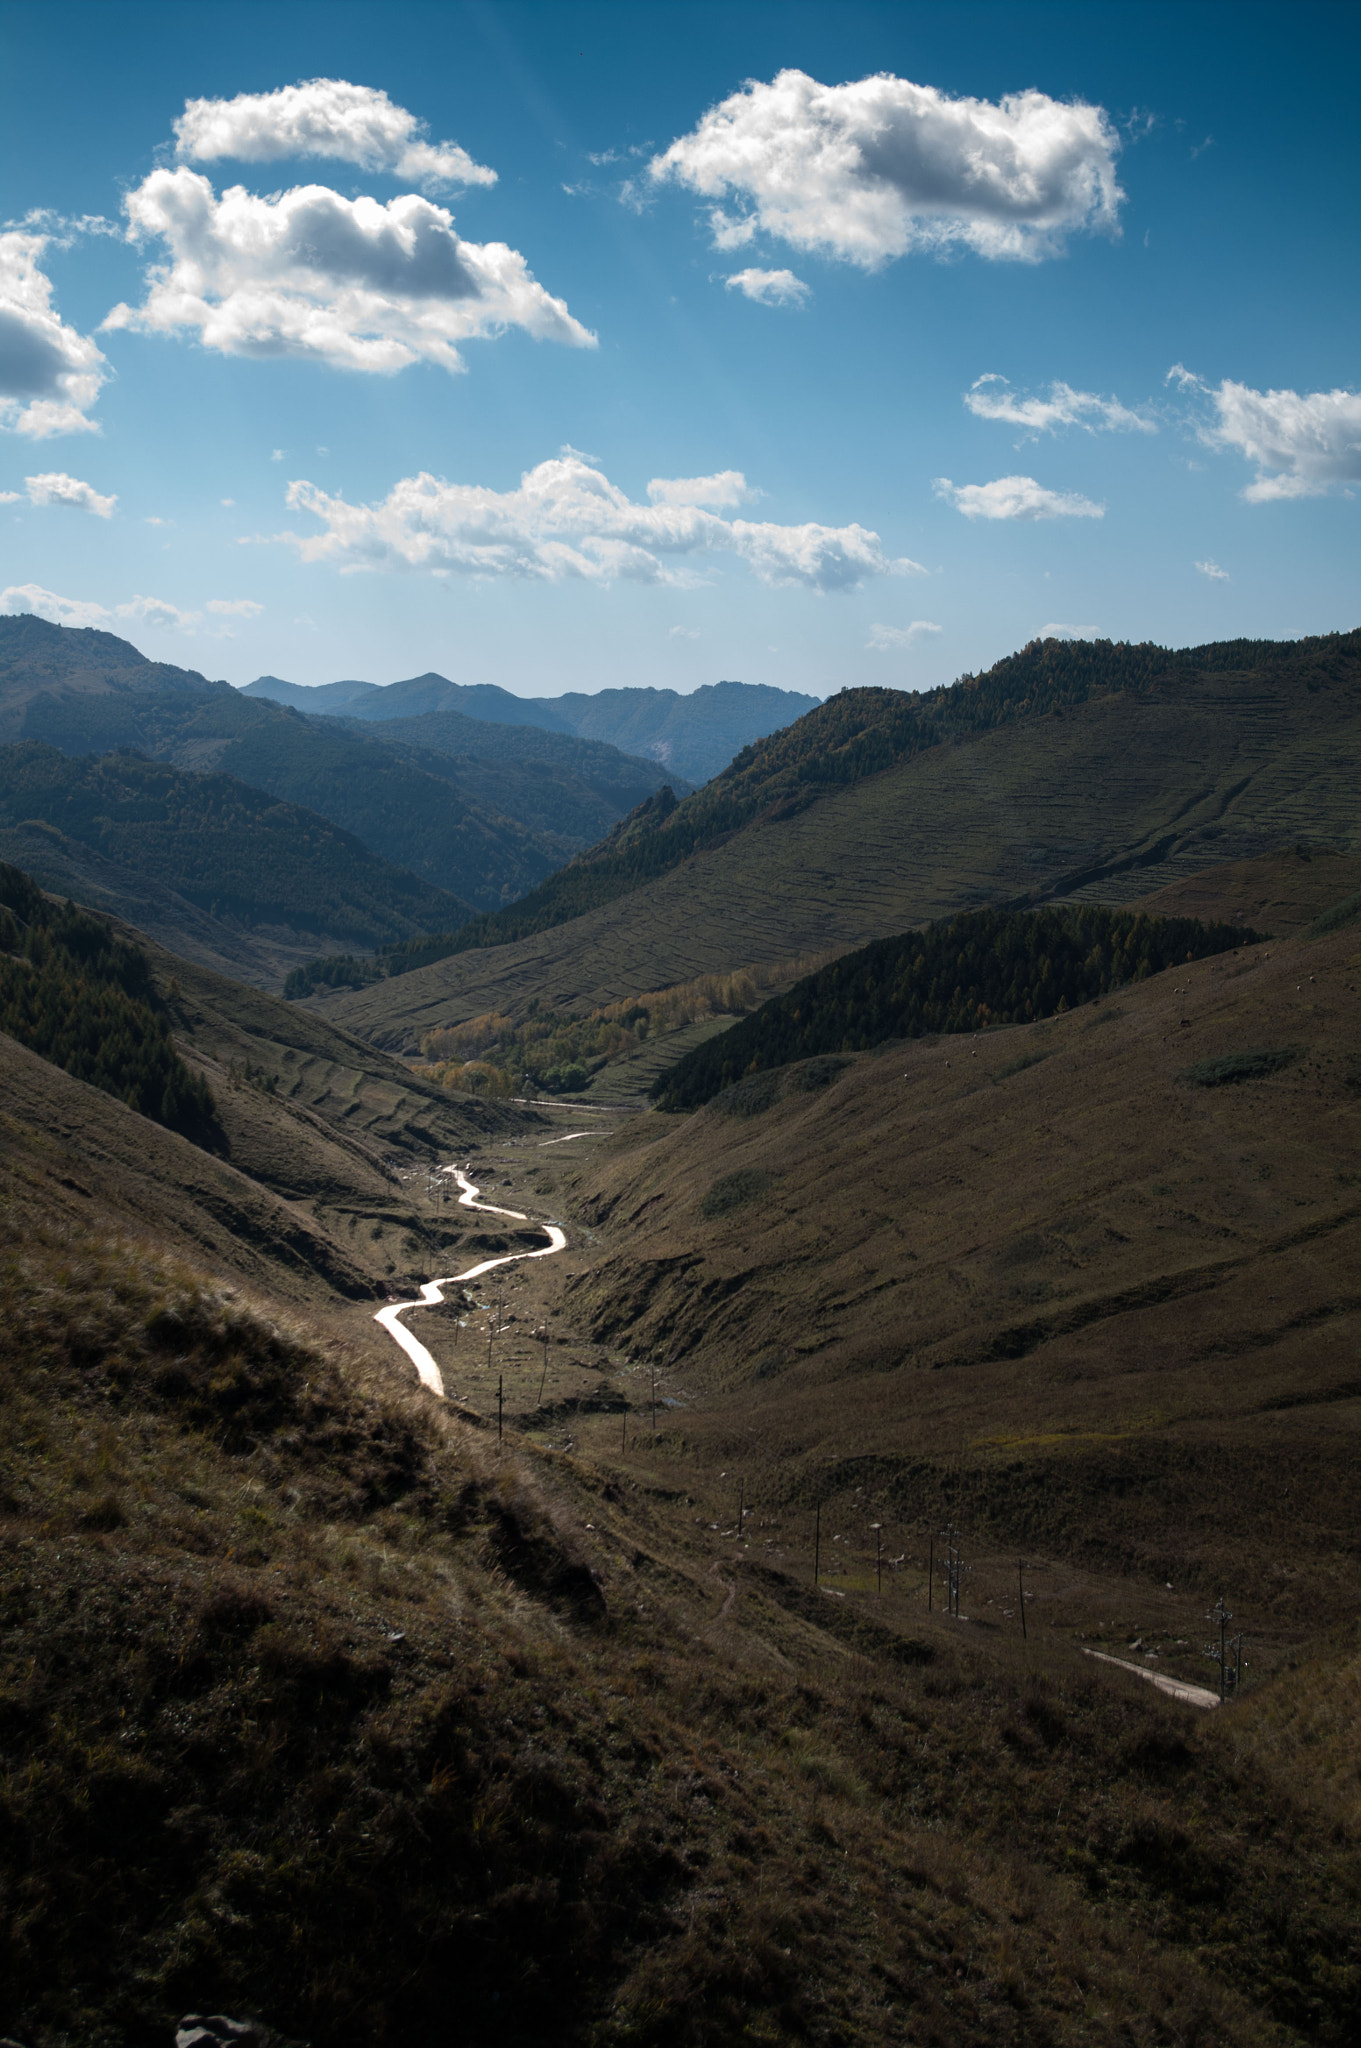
1125, 792
221, 844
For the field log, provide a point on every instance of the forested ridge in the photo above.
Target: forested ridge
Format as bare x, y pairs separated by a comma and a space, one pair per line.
81, 997
226, 846
861, 732
966, 973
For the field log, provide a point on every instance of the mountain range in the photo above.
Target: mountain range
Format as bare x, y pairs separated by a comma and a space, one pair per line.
695, 735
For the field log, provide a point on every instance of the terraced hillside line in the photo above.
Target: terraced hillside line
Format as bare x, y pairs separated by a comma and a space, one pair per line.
433, 1290
1119, 797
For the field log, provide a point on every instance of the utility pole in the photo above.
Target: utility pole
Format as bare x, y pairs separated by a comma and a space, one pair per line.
878, 1529
544, 1375
1220, 1655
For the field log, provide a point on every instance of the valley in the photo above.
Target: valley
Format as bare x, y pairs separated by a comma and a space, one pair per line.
669, 1577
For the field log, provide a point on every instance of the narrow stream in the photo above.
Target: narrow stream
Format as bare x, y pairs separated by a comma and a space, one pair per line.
433, 1290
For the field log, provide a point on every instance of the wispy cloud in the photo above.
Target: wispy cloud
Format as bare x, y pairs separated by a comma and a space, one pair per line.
870, 170
727, 487
991, 397
157, 612
1214, 572
1302, 444
893, 639
1016, 497
235, 607
770, 287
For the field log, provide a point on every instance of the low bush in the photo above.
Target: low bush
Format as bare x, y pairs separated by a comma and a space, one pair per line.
1230, 1067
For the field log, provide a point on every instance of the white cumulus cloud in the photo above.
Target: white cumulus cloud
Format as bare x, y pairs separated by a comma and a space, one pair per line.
1214, 572
1057, 630
324, 117
892, 639
235, 607
79, 611
50, 375
1302, 443
56, 488
683, 633
1015, 497
992, 398
770, 287
727, 487
870, 170
567, 519
309, 273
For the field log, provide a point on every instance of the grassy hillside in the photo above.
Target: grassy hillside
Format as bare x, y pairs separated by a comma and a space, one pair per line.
321, 1707
1051, 1283
972, 973
319, 1711
1127, 791
860, 733
220, 844
317, 1141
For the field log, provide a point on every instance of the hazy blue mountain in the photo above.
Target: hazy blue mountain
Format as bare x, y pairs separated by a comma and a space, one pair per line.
481, 823
230, 850
695, 735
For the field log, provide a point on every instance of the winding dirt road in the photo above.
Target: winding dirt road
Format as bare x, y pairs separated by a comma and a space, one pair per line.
433, 1290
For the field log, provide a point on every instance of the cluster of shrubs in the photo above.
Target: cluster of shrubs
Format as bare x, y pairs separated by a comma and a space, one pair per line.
81, 997
965, 973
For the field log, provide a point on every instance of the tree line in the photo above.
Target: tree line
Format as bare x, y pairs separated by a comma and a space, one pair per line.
971, 972
76, 994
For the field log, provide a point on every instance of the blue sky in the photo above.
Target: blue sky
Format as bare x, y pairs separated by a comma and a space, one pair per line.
566, 347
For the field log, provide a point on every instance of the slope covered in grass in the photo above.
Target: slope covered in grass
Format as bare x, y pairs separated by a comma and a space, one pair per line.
317, 1711
1126, 792
971, 973
860, 733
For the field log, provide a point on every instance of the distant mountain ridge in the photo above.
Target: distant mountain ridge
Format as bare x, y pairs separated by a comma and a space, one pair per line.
483, 828
695, 734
